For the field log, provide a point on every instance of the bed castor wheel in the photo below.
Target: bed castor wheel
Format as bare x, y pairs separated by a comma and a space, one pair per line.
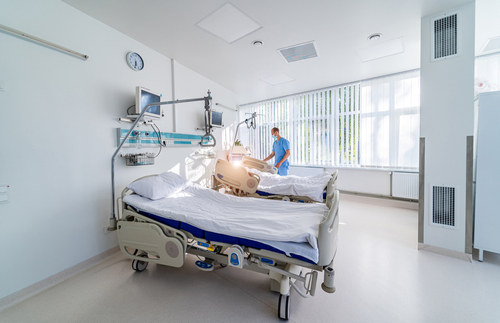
140, 265
286, 199
284, 307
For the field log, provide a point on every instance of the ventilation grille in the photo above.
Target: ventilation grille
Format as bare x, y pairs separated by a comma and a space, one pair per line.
299, 52
445, 37
443, 205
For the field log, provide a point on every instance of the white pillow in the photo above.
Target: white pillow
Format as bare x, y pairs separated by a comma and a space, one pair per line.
153, 187
174, 183
160, 186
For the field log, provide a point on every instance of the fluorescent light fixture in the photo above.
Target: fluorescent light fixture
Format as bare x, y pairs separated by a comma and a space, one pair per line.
492, 45
228, 23
299, 52
376, 51
276, 79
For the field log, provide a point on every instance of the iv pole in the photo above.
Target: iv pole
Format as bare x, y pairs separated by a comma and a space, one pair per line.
253, 125
112, 218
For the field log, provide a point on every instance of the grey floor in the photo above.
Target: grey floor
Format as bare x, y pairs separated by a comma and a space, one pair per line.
380, 277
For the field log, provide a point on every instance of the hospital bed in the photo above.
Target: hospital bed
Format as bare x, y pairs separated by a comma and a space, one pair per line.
271, 186
148, 233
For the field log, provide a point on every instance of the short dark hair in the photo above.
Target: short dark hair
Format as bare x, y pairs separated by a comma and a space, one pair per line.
275, 129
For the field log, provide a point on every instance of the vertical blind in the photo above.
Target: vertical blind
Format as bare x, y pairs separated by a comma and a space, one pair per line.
372, 123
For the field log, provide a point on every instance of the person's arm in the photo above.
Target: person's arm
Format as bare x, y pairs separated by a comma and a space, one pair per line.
287, 154
269, 157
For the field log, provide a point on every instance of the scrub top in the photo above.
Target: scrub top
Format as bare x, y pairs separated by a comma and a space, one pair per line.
280, 147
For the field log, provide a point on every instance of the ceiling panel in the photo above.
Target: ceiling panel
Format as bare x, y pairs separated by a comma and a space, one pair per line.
338, 28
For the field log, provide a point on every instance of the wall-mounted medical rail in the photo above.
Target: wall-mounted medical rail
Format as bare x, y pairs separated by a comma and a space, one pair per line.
112, 218
253, 124
42, 42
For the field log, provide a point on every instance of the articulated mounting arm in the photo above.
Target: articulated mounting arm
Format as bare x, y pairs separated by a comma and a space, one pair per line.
251, 123
208, 129
112, 218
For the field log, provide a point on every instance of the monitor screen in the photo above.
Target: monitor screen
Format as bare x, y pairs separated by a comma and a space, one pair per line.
145, 97
216, 119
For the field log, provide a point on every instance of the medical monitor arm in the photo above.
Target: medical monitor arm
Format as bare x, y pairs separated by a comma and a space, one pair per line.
253, 124
112, 218
208, 127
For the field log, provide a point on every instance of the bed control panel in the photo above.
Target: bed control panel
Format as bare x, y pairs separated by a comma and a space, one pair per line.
205, 266
236, 256
207, 246
267, 261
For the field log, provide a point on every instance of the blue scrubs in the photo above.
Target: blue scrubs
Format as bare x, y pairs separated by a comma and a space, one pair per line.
280, 147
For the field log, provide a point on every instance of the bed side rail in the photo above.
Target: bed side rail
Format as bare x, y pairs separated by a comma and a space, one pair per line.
119, 201
328, 233
258, 164
331, 188
236, 177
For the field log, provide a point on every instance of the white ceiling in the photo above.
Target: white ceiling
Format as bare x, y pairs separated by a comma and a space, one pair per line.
338, 27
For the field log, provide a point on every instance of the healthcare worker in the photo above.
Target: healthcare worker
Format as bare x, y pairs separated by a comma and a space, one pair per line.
281, 152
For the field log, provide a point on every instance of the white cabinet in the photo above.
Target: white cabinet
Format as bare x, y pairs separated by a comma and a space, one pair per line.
487, 173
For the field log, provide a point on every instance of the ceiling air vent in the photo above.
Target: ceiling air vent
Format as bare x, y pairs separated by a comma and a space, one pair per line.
443, 208
299, 52
445, 37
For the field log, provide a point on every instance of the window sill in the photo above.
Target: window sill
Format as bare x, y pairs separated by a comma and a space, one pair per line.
401, 170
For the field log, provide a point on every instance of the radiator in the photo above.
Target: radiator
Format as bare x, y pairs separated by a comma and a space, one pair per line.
405, 185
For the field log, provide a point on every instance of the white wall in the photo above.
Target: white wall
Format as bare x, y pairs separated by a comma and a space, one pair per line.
190, 116
446, 119
57, 130
354, 180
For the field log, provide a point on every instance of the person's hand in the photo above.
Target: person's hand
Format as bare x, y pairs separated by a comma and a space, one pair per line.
278, 165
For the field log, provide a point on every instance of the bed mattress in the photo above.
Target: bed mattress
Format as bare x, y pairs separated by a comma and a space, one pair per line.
289, 228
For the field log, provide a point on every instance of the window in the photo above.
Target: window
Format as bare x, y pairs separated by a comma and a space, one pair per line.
372, 123
390, 121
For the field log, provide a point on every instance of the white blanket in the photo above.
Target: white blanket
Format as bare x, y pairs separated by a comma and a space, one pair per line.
251, 218
310, 186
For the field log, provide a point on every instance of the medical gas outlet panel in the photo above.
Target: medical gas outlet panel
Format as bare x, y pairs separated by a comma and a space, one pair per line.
146, 139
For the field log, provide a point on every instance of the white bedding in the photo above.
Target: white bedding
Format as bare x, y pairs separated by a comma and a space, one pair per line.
271, 222
310, 186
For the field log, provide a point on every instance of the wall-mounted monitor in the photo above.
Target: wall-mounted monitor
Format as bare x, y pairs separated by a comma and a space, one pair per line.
216, 119
143, 97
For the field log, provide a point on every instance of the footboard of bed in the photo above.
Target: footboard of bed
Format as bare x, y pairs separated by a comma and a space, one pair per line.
328, 231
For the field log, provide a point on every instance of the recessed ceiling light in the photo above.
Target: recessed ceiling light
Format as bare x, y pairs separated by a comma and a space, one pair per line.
492, 45
229, 23
277, 79
381, 49
374, 36
257, 43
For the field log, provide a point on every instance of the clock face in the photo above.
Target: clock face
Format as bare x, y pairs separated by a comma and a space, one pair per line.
135, 61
